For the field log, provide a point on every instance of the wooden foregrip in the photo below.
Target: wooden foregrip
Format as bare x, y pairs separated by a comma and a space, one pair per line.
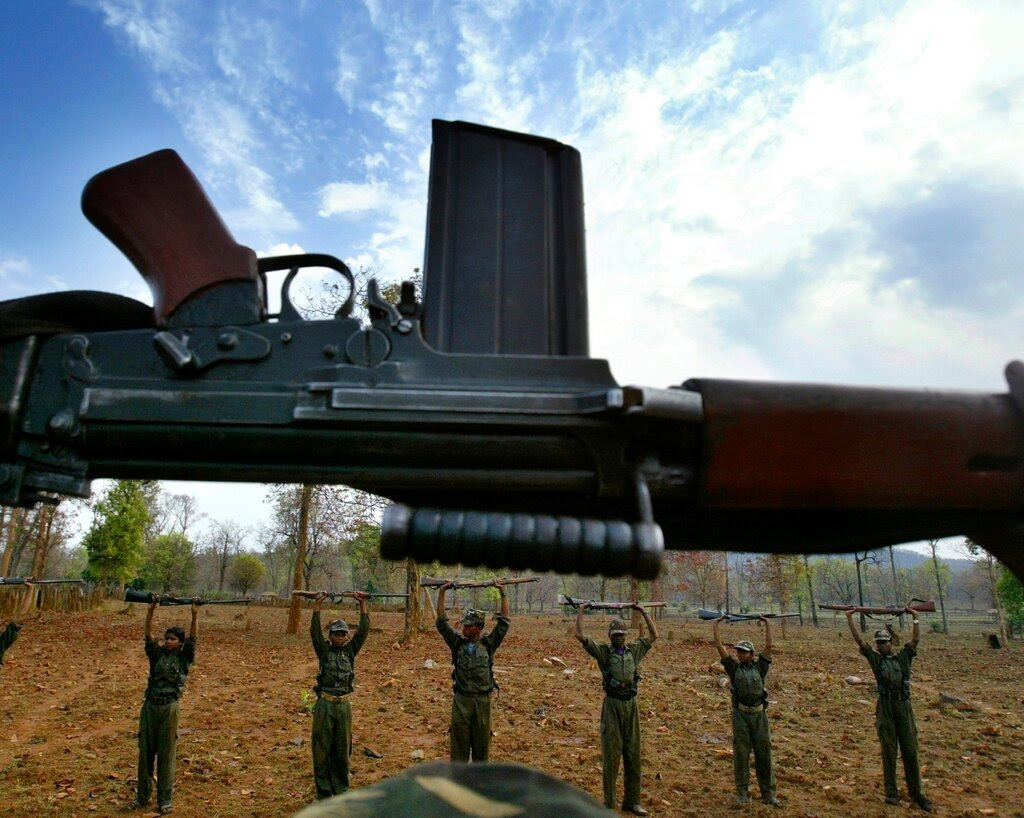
787, 446
156, 212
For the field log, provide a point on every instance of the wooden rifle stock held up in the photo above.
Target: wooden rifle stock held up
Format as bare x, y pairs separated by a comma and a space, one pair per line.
917, 605
604, 606
148, 597
437, 582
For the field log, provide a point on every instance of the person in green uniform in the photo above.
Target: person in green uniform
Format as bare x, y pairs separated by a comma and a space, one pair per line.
169, 664
472, 676
620, 719
750, 731
332, 715
894, 717
10, 633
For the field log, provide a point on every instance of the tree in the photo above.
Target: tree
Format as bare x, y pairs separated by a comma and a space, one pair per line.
979, 554
169, 562
246, 572
1011, 594
939, 584
810, 590
299, 575
114, 541
226, 540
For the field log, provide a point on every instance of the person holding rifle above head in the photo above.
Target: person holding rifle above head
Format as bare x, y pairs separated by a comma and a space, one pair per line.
472, 675
10, 633
332, 715
750, 731
169, 664
620, 718
894, 717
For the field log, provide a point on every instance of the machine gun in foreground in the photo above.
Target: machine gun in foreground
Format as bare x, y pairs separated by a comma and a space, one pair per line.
476, 410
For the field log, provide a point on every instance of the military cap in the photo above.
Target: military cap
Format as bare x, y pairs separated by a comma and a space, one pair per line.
617, 626
473, 617
882, 635
337, 626
744, 644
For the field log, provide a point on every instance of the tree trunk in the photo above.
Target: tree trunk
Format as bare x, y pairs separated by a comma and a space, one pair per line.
42, 548
412, 602
897, 596
990, 561
810, 591
13, 515
726, 555
938, 585
300, 558
860, 590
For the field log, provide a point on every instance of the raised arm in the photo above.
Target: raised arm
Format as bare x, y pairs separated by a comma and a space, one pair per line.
647, 618
193, 632
767, 652
442, 610
722, 652
915, 633
853, 629
149, 620
27, 602
504, 597
578, 632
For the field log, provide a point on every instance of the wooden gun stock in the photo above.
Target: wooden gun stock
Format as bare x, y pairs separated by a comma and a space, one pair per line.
156, 212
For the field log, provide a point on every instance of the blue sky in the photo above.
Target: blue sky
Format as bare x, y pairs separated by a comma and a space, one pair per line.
826, 191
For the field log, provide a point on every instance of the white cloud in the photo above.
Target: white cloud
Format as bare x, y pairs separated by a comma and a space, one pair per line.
13, 267
342, 198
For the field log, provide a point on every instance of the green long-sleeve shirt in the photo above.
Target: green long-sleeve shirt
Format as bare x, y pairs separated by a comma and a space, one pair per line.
10, 633
337, 665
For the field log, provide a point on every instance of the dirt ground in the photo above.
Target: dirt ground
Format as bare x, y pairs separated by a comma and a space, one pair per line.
71, 687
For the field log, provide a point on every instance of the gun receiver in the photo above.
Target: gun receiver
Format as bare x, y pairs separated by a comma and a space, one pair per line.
148, 597
517, 461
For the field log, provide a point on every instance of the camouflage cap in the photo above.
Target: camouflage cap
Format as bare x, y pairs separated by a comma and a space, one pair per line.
882, 635
617, 626
473, 617
337, 626
744, 644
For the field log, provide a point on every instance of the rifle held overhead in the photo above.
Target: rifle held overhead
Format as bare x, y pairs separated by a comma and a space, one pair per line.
604, 606
164, 600
706, 614
34, 581
917, 605
338, 596
437, 582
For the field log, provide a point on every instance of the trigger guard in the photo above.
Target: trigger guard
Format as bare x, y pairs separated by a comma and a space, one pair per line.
300, 261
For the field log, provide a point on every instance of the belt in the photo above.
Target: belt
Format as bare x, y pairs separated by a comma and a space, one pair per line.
332, 698
743, 708
161, 700
474, 695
